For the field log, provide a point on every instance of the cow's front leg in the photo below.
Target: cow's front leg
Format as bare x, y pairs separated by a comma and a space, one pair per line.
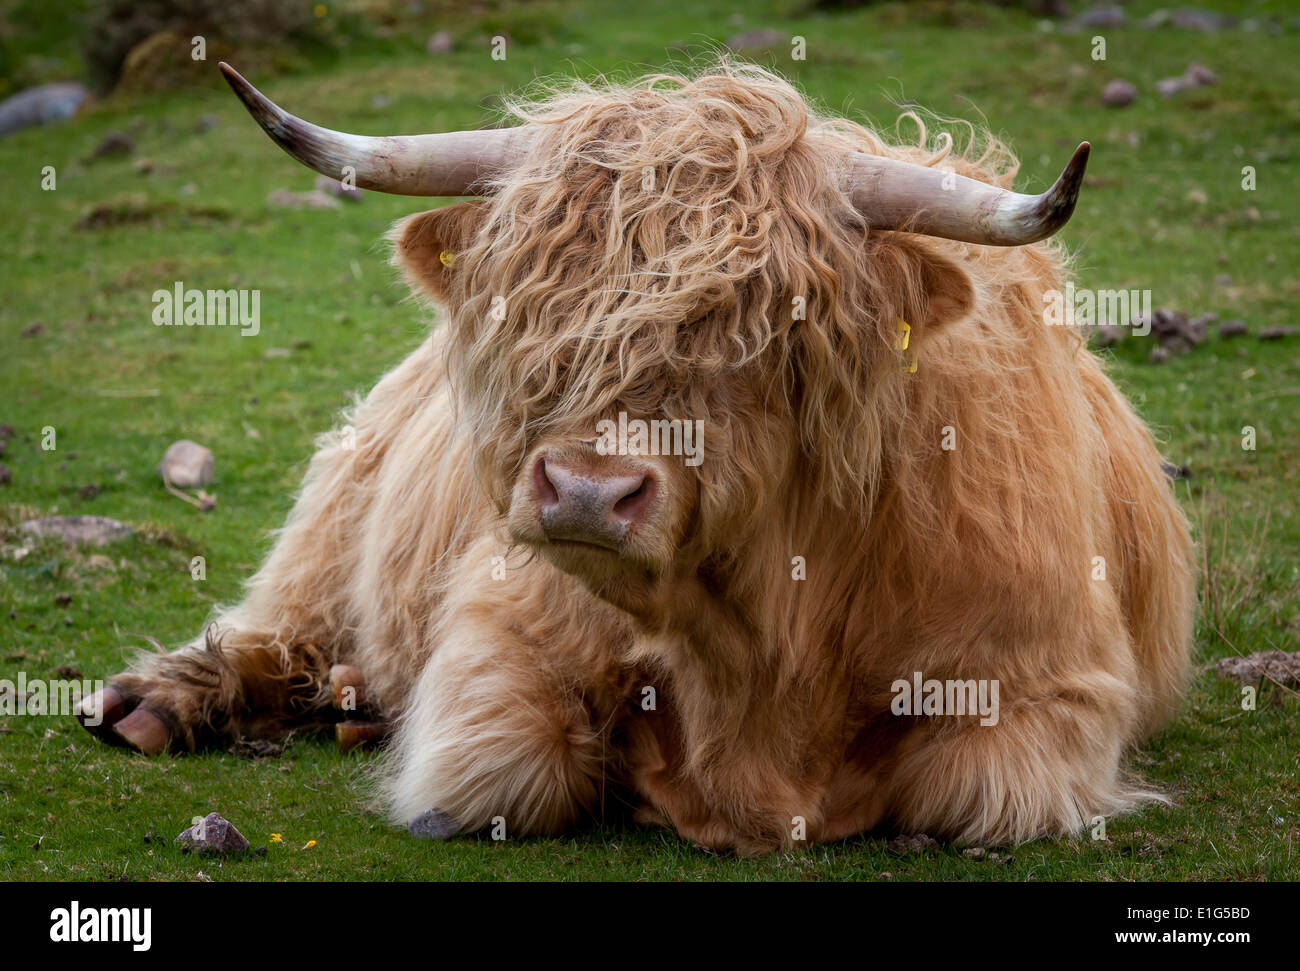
229, 682
1048, 767
505, 730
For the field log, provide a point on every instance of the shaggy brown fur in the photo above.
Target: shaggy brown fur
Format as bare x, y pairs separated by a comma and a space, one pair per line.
645, 257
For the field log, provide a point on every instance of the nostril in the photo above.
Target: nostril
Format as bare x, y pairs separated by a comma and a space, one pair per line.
547, 495
632, 507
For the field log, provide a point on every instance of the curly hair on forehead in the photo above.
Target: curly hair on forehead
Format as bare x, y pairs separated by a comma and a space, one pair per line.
655, 241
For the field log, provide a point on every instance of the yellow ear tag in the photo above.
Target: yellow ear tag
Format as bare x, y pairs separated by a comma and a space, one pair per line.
900, 344
446, 257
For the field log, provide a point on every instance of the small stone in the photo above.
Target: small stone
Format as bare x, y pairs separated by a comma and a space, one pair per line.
88, 492
63, 599
302, 200
1278, 332
439, 43
115, 143
1102, 17
975, 853
1233, 328
333, 187
1168, 87
1196, 329
751, 39
911, 844
1119, 93
96, 530
1206, 21
1106, 335
1158, 355
1200, 75
213, 834
186, 465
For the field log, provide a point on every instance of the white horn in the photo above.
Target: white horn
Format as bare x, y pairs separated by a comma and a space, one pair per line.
915, 198
443, 164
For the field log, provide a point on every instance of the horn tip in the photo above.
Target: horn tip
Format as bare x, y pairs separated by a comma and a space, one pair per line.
233, 77
264, 111
1057, 204
1079, 160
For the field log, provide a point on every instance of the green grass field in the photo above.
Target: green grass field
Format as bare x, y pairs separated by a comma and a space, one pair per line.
1164, 210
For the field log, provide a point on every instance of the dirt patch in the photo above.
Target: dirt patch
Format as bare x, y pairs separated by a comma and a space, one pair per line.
1281, 667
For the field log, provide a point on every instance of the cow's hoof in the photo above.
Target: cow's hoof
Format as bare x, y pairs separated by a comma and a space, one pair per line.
145, 731
114, 715
433, 824
348, 685
99, 712
351, 734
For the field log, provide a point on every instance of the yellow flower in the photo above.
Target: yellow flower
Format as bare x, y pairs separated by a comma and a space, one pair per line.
320, 10
276, 838
310, 844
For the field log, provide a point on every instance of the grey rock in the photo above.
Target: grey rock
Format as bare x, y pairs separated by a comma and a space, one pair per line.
1106, 16
1278, 332
752, 39
1168, 87
91, 530
302, 200
214, 834
115, 143
1106, 335
186, 465
1206, 21
1119, 93
439, 43
41, 105
333, 187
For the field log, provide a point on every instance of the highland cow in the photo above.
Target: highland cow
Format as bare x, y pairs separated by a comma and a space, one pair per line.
905, 474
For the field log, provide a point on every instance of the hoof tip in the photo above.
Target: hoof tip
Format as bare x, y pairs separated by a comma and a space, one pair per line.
143, 730
433, 824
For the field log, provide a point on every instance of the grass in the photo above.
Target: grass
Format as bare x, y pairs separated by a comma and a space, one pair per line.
1165, 211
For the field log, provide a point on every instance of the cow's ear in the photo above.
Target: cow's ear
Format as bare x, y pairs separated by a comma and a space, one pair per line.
428, 243
930, 289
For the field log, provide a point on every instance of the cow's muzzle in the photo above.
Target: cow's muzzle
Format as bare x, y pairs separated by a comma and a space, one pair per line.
591, 504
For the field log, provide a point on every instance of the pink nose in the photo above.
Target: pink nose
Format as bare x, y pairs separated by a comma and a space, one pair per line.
591, 505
